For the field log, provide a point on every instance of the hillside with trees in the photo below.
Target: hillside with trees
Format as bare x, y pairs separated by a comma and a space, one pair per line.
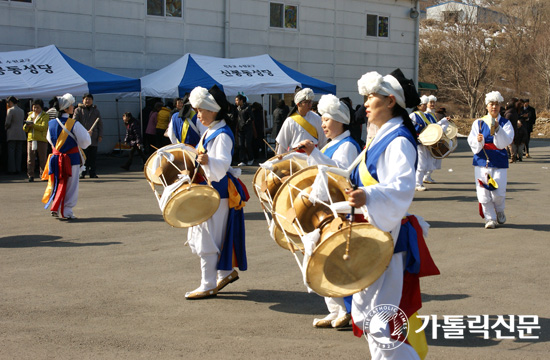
469, 58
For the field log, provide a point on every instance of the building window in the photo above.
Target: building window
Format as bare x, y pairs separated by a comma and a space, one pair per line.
378, 25
168, 8
283, 16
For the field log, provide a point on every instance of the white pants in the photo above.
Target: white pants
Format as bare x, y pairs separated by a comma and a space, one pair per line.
386, 290
491, 201
206, 240
71, 195
425, 164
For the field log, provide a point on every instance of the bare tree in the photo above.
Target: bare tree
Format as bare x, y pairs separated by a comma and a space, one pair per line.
460, 57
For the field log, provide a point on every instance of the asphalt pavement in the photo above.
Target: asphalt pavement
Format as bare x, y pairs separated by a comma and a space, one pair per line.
111, 284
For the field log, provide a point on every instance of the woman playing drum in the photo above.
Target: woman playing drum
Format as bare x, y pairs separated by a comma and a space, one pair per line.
217, 239
340, 152
385, 176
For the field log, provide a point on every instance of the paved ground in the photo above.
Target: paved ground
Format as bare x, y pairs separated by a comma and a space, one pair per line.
111, 285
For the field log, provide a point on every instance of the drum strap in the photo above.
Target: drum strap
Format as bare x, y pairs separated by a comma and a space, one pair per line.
305, 125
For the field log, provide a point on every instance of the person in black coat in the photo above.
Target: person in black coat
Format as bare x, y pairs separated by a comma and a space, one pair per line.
132, 138
529, 116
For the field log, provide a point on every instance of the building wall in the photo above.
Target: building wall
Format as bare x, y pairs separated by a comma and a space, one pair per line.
117, 36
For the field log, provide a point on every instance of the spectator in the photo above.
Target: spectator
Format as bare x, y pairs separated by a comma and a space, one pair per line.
88, 115
246, 127
151, 131
258, 116
279, 115
133, 139
529, 116
163, 119
511, 113
520, 138
36, 128
15, 135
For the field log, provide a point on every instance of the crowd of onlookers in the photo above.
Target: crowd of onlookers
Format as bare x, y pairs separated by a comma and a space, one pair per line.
28, 126
522, 116
25, 127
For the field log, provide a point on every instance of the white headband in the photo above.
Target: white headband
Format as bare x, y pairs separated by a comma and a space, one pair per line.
330, 106
423, 100
372, 82
65, 101
493, 96
304, 94
432, 98
200, 98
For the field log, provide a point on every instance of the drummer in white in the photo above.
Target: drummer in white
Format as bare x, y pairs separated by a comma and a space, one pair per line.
217, 239
340, 152
425, 158
302, 124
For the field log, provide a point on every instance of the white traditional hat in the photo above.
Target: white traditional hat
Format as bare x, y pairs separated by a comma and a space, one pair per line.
304, 94
330, 106
200, 98
432, 98
424, 99
493, 96
65, 101
372, 82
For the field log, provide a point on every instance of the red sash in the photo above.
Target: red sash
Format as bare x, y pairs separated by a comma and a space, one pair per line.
490, 146
65, 172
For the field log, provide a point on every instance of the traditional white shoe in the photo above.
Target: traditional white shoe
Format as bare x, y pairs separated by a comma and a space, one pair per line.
420, 188
234, 276
491, 224
241, 164
199, 294
325, 322
428, 180
501, 217
342, 321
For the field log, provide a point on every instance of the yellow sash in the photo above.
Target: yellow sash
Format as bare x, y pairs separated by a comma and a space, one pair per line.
58, 145
488, 119
423, 116
185, 127
305, 124
366, 177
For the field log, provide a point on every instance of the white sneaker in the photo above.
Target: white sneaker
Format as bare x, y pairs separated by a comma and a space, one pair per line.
420, 188
250, 162
491, 224
241, 164
501, 218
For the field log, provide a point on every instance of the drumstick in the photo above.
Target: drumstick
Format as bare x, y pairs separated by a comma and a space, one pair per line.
270, 146
352, 216
154, 147
94, 124
196, 172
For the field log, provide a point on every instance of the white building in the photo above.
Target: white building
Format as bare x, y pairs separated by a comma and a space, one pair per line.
453, 11
333, 40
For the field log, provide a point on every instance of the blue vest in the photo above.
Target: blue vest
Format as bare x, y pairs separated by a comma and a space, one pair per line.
497, 158
331, 150
70, 143
220, 186
192, 138
374, 152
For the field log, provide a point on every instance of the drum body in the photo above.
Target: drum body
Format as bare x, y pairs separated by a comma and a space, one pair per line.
184, 202
269, 177
328, 272
437, 141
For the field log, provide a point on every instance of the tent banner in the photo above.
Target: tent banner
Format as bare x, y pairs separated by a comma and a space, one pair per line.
46, 72
36, 73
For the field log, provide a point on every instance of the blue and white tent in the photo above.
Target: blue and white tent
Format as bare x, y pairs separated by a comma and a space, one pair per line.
254, 75
46, 72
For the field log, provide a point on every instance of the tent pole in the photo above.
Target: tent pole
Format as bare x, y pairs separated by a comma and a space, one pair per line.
118, 126
141, 117
263, 123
